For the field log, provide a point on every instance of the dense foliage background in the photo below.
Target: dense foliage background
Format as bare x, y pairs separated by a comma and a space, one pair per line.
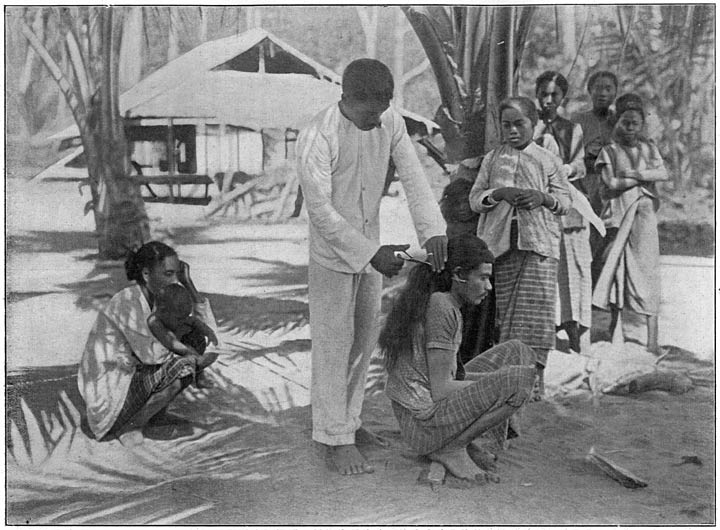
666, 53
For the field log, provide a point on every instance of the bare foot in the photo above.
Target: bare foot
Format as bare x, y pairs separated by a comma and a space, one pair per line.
484, 459
348, 460
459, 463
131, 438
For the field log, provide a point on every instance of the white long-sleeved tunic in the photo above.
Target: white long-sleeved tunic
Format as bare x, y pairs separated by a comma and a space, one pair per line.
342, 173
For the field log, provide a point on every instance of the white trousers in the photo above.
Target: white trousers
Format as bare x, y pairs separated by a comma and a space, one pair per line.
344, 327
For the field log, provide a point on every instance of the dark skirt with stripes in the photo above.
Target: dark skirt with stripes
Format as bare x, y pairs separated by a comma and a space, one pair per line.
503, 375
525, 297
148, 380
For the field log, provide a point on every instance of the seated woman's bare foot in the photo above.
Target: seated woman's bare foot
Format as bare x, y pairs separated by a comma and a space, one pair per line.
348, 460
459, 463
131, 438
482, 457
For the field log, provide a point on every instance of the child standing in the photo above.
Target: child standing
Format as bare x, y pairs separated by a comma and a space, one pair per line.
565, 139
629, 167
597, 126
518, 193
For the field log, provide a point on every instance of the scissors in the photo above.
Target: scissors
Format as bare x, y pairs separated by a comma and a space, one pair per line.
404, 255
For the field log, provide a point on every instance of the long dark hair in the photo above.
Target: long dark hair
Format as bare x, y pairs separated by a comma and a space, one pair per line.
149, 255
465, 253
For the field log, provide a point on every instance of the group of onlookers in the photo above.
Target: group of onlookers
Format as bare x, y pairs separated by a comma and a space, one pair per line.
518, 225
598, 173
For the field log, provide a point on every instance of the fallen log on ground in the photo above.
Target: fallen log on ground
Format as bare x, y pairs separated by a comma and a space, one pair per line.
673, 382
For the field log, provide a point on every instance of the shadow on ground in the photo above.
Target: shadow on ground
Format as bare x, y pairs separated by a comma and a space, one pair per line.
46, 241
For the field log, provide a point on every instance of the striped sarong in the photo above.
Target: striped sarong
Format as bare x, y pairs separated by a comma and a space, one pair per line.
148, 380
505, 375
574, 278
525, 297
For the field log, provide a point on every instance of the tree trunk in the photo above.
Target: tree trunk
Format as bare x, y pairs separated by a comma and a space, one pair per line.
173, 34
497, 84
398, 64
566, 30
203, 25
131, 51
369, 22
253, 17
120, 218
123, 223
26, 75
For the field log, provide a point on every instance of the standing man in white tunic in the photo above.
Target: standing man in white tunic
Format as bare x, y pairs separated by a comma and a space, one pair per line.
343, 157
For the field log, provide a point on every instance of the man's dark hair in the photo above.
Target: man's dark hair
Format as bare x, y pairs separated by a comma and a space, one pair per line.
555, 77
368, 80
601, 73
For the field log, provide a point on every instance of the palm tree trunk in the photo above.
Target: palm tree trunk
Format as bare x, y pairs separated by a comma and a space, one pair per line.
203, 25
131, 51
120, 218
173, 34
369, 21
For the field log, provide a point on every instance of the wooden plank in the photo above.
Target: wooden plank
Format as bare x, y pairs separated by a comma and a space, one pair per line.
614, 471
196, 201
201, 147
172, 179
147, 122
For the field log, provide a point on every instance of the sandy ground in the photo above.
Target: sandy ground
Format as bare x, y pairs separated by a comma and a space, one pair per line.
244, 456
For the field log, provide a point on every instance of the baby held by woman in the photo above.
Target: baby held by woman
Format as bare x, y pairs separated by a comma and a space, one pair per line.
177, 328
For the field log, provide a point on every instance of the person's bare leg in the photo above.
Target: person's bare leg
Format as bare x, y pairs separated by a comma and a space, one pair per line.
202, 380
131, 432
652, 334
613, 328
454, 456
573, 331
538, 391
348, 460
